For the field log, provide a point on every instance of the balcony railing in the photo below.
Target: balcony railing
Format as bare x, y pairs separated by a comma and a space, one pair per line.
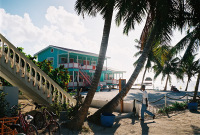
77, 65
113, 81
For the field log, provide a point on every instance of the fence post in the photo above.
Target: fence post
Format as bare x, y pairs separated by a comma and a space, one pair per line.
187, 98
165, 100
134, 108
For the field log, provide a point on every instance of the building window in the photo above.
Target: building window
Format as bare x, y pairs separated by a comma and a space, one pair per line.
93, 63
51, 59
63, 60
88, 62
71, 78
80, 61
52, 50
71, 60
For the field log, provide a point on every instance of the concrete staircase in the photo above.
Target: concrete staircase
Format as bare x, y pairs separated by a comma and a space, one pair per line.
21, 72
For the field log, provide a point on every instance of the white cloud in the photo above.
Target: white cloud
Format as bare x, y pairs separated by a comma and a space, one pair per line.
64, 20
64, 29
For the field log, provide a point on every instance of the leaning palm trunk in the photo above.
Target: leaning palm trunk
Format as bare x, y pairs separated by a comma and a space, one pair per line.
196, 88
166, 83
110, 106
187, 83
144, 76
77, 122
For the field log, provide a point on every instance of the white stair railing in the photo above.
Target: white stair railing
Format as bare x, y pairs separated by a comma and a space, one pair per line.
49, 90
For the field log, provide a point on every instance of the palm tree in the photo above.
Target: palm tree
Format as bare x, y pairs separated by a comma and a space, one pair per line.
196, 87
160, 30
148, 65
154, 56
92, 7
170, 66
190, 67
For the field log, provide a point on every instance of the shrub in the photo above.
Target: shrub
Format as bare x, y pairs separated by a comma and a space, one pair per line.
173, 107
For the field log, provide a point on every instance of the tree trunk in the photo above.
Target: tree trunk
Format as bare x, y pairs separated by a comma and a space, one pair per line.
143, 76
196, 88
166, 83
110, 106
187, 83
77, 122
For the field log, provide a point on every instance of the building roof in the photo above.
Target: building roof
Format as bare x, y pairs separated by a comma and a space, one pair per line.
69, 50
113, 70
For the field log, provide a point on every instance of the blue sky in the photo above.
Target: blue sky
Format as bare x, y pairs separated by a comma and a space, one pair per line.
35, 24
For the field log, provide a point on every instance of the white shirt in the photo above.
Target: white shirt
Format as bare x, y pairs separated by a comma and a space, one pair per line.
144, 96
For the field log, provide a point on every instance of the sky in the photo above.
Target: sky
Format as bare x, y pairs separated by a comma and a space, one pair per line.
35, 24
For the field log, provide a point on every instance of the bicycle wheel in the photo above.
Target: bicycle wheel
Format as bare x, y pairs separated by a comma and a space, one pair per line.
54, 128
39, 120
31, 130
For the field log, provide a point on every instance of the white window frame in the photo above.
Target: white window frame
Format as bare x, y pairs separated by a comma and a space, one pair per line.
48, 58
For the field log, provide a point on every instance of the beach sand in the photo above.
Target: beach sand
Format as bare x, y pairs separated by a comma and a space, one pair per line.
180, 122
177, 123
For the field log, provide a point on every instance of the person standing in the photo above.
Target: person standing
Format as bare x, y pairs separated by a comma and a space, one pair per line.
145, 104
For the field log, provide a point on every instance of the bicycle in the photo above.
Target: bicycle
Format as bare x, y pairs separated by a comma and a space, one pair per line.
25, 125
45, 119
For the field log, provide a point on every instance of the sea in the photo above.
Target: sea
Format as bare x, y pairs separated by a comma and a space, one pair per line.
159, 85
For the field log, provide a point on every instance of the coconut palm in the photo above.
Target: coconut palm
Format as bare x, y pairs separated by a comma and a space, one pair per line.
190, 67
196, 87
92, 7
160, 30
169, 67
153, 57
148, 63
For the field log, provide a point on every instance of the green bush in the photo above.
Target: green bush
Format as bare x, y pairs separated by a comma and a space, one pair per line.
173, 107
70, 110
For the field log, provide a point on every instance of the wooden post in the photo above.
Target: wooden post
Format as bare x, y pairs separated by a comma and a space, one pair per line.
122, 83
165, 100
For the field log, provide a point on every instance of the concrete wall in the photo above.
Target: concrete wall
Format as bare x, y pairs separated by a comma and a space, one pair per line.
128, 106
133, 106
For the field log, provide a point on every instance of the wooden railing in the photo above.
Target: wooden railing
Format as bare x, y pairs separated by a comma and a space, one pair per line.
32, 73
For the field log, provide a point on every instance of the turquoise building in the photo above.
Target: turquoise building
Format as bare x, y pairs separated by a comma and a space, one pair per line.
81, 66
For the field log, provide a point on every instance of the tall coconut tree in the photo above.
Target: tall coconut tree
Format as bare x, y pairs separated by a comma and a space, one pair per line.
153, 57
190, 67
160, 30
196, 87
169, 67
148, 63
92, 7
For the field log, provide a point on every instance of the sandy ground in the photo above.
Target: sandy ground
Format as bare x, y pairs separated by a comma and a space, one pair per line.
177, 123
153, 95
180, 122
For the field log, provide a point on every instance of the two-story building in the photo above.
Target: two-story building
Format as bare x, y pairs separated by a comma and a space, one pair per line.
81, 66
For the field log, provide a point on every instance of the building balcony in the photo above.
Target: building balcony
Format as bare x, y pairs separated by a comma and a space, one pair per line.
77, 65
113, 81
71, 84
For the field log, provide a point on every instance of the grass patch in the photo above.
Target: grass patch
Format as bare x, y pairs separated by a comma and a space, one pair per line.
173, 107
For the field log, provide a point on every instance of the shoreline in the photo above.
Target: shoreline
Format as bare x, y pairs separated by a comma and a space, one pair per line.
106, 95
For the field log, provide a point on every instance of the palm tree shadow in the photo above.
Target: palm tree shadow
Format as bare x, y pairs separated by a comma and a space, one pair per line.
145, 128
195, 111
99, 129
134, 118
196, 130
